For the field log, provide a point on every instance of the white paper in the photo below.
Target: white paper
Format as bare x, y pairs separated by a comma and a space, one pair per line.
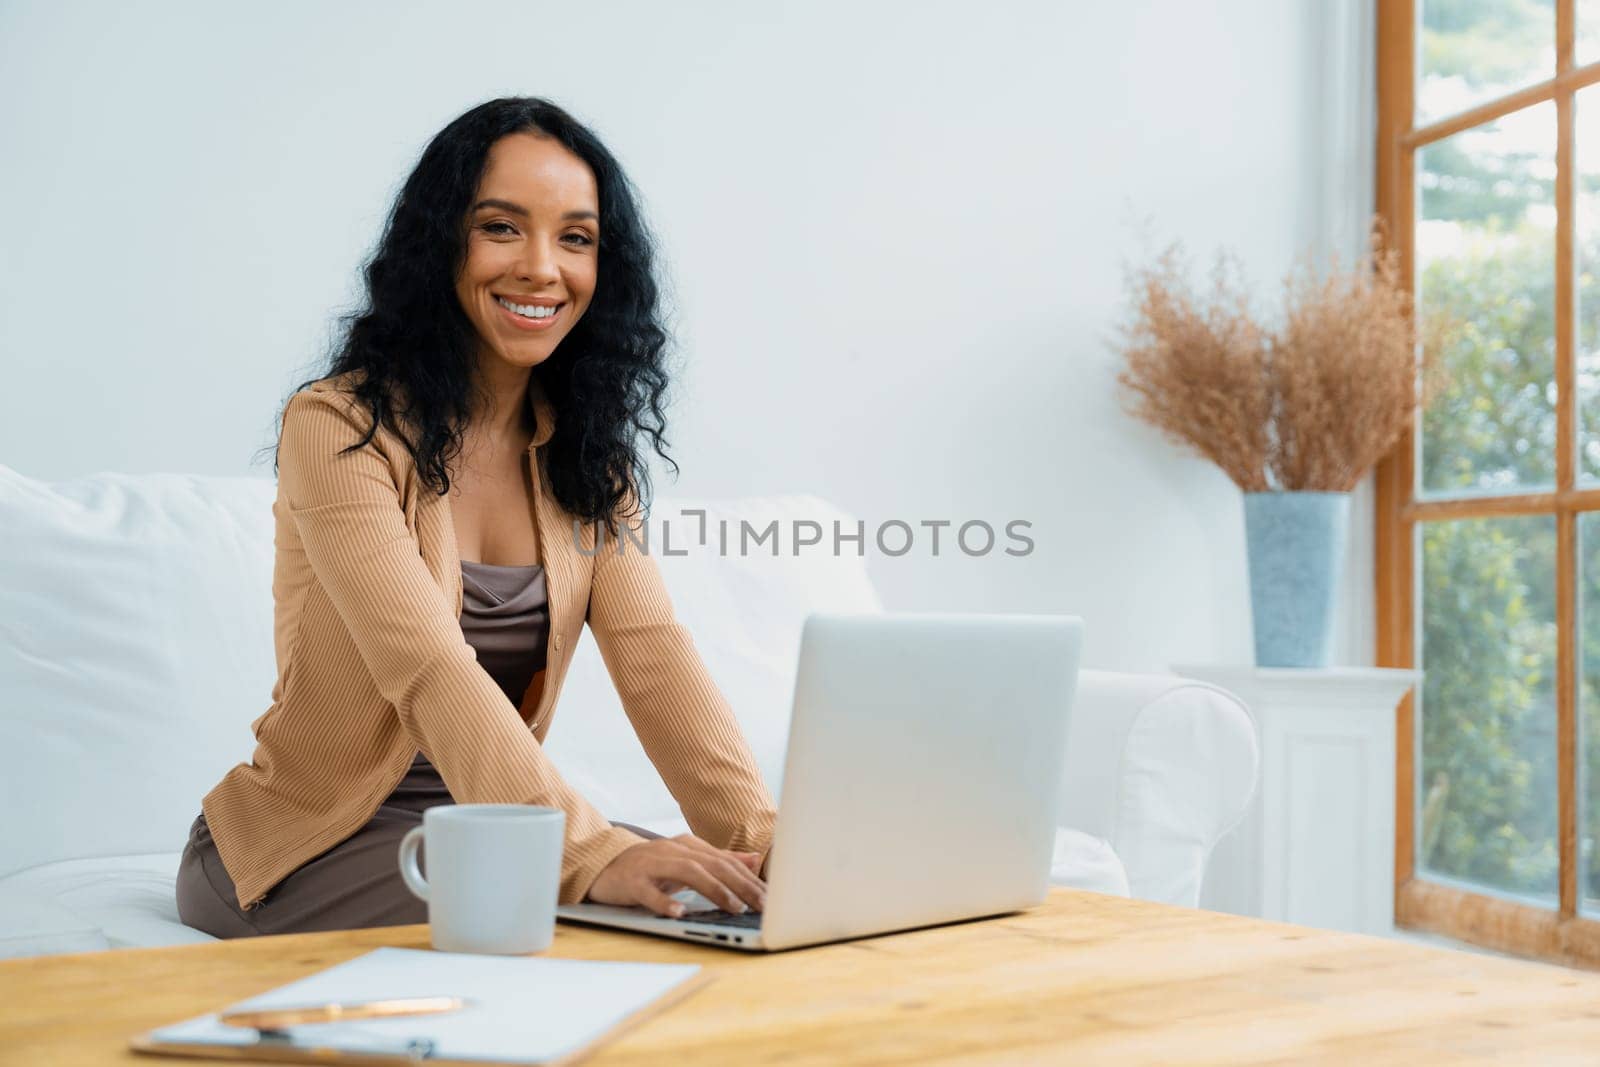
523, 1009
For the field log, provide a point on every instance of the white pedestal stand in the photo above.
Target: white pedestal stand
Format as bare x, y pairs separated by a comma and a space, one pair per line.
1317, 844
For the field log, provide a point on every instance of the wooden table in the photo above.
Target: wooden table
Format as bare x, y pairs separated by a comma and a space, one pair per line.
1082, 979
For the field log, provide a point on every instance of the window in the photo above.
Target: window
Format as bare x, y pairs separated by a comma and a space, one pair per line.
1488, 512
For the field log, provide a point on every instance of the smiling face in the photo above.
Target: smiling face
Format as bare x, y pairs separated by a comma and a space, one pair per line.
533, 234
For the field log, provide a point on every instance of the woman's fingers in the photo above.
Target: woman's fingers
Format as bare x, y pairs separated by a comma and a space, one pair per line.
650, 872
659, 900
695, 872
736, 873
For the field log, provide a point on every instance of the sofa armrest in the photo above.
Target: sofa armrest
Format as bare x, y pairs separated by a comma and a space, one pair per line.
1161, 767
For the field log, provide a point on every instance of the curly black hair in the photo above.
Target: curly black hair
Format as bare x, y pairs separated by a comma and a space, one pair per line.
606, 379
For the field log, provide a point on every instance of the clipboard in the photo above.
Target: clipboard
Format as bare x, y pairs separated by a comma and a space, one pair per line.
523, 1010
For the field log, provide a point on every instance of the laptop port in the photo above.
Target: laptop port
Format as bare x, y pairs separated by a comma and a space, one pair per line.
697, 933
722, 937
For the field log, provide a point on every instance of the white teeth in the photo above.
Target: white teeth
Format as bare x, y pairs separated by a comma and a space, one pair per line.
527, 311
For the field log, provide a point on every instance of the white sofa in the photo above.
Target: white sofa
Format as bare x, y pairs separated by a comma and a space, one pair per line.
136, 648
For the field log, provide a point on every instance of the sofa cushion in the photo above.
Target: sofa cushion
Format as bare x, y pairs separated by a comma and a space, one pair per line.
744, 612
1161, 767
1077, 861
1083, 861
126, 901
135, 650
33, 924
129, 901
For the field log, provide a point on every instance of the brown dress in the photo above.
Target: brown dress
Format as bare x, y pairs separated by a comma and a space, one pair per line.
356, 883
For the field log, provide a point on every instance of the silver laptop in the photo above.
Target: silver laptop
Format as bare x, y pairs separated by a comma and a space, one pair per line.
920, 784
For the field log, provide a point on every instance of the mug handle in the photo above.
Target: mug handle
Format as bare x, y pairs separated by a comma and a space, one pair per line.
408, 862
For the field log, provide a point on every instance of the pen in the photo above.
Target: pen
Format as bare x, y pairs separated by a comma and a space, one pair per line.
274, 1018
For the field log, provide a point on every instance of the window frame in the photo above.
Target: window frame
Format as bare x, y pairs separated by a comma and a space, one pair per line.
1562, 935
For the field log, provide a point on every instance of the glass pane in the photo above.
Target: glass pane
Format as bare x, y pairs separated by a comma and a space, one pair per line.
1589, 712
1586, 250
1486, 255
1588, 43
1486, 795
1471, 51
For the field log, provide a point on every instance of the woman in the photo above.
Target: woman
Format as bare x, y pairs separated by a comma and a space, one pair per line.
448, 511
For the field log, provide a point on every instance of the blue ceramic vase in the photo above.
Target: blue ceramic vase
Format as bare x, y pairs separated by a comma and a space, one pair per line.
1296, 544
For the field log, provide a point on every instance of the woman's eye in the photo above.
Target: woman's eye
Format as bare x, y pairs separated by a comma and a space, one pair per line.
505, 229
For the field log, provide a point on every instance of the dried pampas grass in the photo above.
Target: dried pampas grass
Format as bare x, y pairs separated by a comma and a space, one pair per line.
1310, 407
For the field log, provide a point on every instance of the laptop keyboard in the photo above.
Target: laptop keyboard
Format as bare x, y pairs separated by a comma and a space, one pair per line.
750, 920
697, 908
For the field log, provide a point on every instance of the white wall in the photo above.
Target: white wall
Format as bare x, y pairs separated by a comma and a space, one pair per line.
894, 231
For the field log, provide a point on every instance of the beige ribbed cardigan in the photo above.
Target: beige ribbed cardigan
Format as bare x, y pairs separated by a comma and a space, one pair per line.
372, 666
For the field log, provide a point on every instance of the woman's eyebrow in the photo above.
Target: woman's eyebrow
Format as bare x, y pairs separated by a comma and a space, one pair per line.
518, 209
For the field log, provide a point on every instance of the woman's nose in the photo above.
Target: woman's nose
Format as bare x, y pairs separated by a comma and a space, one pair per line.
538, 263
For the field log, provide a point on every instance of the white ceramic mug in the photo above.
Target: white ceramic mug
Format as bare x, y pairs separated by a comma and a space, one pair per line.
494, 873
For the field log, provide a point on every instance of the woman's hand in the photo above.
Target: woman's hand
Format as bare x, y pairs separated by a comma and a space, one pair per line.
651, 871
